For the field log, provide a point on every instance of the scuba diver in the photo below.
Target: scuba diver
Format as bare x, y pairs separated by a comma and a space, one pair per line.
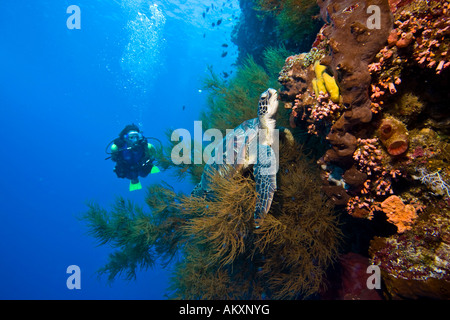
134, 156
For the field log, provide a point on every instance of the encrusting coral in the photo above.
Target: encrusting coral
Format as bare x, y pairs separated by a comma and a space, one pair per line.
399, 214
415, 264
420, 38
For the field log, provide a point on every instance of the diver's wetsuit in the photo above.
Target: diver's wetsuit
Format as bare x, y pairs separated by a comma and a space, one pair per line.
132, 162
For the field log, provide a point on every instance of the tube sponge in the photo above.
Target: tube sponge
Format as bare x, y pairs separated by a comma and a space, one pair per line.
319, 69
315, 87
325, 83
319, 83
394, 136
331, 86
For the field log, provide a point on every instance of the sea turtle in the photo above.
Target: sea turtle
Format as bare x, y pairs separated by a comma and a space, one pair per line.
252, 143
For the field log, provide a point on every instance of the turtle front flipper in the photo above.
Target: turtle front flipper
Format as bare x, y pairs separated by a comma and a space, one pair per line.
264, 171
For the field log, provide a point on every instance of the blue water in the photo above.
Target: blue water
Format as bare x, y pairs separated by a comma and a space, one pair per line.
64, 95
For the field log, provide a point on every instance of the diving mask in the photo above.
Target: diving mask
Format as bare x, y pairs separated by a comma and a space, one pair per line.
133, 137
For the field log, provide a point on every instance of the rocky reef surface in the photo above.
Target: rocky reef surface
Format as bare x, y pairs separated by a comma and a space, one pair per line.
374, 86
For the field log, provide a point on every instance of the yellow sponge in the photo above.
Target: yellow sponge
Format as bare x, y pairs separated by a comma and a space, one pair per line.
316, 89
319, 69
331, 86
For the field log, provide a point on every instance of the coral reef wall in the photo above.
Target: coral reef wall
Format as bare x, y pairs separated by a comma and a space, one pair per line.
353, 46
387, 131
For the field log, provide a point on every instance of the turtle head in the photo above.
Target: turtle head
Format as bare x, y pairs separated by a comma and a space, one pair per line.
268, 103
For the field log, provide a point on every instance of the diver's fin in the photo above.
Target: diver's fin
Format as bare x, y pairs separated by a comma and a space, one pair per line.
155, 169
135, 185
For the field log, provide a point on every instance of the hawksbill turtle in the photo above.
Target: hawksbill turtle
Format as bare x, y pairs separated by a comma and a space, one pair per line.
251, 144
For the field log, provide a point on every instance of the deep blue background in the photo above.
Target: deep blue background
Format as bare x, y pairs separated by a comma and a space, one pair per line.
62, 99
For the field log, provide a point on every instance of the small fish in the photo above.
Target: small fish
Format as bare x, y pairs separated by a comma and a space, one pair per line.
213, 24
219, 22
207, 9
225, 75
225, 45
203, 14
224, 54
204, 35
184, 107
